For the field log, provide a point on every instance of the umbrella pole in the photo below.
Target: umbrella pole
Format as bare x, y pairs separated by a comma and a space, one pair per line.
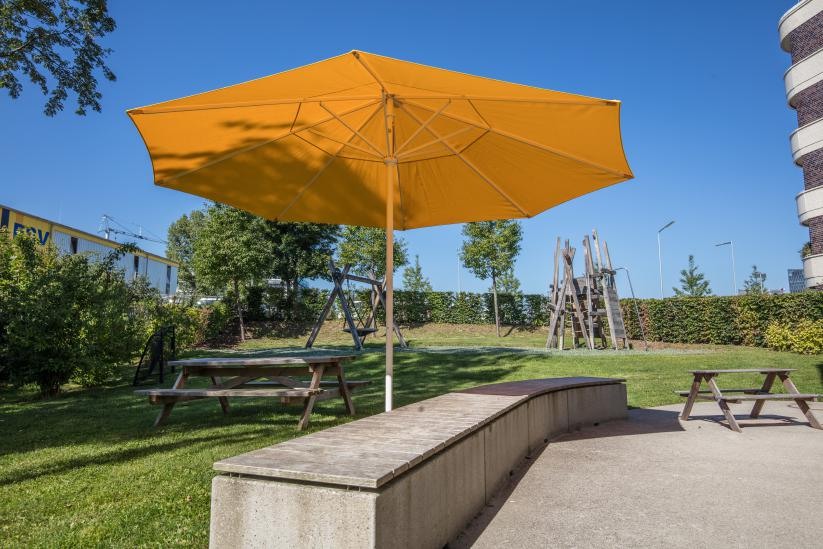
389, 284
391, 176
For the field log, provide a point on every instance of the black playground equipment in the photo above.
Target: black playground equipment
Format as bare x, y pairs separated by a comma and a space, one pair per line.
160, 347
357, 322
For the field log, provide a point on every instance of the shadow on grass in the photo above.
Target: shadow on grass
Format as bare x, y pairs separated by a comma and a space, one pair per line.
112, 457
114, 415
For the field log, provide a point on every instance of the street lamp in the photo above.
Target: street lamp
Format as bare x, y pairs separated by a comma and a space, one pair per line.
636, 309
660, 256
734, 270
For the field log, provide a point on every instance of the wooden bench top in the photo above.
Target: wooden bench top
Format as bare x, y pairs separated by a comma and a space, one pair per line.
753, 390
535, 387
205, 392
773, 396
262, 361
745, 371
370, 452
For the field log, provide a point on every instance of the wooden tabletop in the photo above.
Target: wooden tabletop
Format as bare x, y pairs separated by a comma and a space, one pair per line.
745, 371
262, 361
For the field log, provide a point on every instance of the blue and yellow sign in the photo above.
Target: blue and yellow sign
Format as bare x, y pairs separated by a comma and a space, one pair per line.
17, 222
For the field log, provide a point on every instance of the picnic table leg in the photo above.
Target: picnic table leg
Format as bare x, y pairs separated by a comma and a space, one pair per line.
687, 409
802, 404
164, 414
167, 407
224, 401
767, 386
724, 406
344, 389
308, 406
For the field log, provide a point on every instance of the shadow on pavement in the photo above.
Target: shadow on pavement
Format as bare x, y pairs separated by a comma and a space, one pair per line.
641, 421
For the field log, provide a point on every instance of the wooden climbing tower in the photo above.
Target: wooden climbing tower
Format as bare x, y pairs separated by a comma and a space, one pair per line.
588, 305
357, 323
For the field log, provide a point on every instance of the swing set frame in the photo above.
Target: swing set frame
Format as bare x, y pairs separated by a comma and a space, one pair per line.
360, 331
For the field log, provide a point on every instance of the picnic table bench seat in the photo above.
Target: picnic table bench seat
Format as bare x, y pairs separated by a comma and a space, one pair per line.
411, 477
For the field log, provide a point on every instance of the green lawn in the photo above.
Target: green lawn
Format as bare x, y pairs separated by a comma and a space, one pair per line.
87, 469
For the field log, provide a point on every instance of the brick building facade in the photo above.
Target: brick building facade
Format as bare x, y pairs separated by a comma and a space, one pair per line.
801, 35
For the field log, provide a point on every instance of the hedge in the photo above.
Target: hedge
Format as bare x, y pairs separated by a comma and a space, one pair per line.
725, 320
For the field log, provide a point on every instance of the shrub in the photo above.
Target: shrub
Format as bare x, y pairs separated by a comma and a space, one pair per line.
63, 316
804, 337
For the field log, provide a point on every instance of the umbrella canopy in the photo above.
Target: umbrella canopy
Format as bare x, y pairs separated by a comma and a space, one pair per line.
362, 139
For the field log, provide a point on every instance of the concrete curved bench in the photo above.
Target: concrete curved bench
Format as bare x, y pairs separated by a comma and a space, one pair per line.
412, 477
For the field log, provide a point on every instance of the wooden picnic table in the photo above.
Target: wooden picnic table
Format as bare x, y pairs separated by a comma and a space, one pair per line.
259, 377
759, 395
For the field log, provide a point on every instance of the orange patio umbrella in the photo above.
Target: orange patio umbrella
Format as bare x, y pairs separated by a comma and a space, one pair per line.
362, 139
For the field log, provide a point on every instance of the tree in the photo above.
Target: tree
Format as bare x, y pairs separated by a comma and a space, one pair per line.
300, 251
229, 253
54, 43
756, 283
692, 282
181, 237
414, 280
490, 249
364, 248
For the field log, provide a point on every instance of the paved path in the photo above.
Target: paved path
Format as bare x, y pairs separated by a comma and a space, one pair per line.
653, 481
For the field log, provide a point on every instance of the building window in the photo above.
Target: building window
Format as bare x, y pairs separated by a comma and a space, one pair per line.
73, 244
168, 279
136, 266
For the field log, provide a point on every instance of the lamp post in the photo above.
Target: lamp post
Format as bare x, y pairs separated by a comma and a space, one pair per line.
459, 282
636, 308
660, 255
734, 270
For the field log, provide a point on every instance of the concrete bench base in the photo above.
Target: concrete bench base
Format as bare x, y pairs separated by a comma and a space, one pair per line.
426, 505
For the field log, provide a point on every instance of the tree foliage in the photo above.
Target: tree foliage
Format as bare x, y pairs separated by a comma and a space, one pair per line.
756, 283
490, 249
508, 283
414, 280
364, 248
181, 237
693, 283
806, 250
55, 45
300, 250
63, 316
229, 254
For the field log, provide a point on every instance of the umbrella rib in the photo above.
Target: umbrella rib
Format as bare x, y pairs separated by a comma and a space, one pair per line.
354, 131
474, 168
422, 127
369, 70
244, 104
477, 112
439, 140
320, 172
345, 143
318, 98
232, 154
525, 141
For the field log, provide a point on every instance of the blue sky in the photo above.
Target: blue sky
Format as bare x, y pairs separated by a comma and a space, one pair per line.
705, 121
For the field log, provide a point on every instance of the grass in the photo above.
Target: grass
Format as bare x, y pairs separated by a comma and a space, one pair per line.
87, 469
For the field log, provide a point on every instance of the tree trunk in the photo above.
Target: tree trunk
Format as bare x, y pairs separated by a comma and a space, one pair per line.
239, 307
496, 310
